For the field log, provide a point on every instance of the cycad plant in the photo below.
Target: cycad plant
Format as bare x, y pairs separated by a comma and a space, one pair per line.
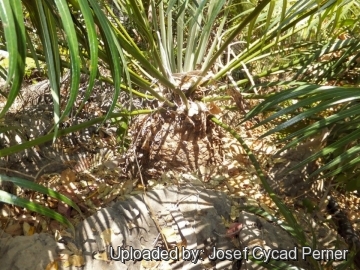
177, 58
174, 54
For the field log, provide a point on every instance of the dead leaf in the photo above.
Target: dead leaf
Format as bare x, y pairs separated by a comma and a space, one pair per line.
78, 260
233, 169
213, 108
106, 236
343, 36
73, 248
150, 264
238, 98
14, 229
57, 235
54, 265
146, 144
64, 209
55, 226
104, 191
67, 176
69, 190
7, 211
234, 229
127, 187
28, 230
101, 256
171, 235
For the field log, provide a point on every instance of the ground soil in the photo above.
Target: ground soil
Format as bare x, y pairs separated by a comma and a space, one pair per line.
88, 167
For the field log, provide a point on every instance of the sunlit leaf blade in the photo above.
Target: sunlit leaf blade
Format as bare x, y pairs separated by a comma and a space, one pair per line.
73, 46
233, 34
194, 25
35, 207
290, 219
314, 128
48, 34
312, 93
14, 29
40, 140
283, 12
8, 24
330, 148
113, 48
36, 187
215, 7
8, 128
346, 159
321, 107
270, 14
3, 75
93, 48
335, 107
285, 95
262, 213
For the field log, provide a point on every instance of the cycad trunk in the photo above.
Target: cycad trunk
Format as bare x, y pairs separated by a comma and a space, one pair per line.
171, 141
